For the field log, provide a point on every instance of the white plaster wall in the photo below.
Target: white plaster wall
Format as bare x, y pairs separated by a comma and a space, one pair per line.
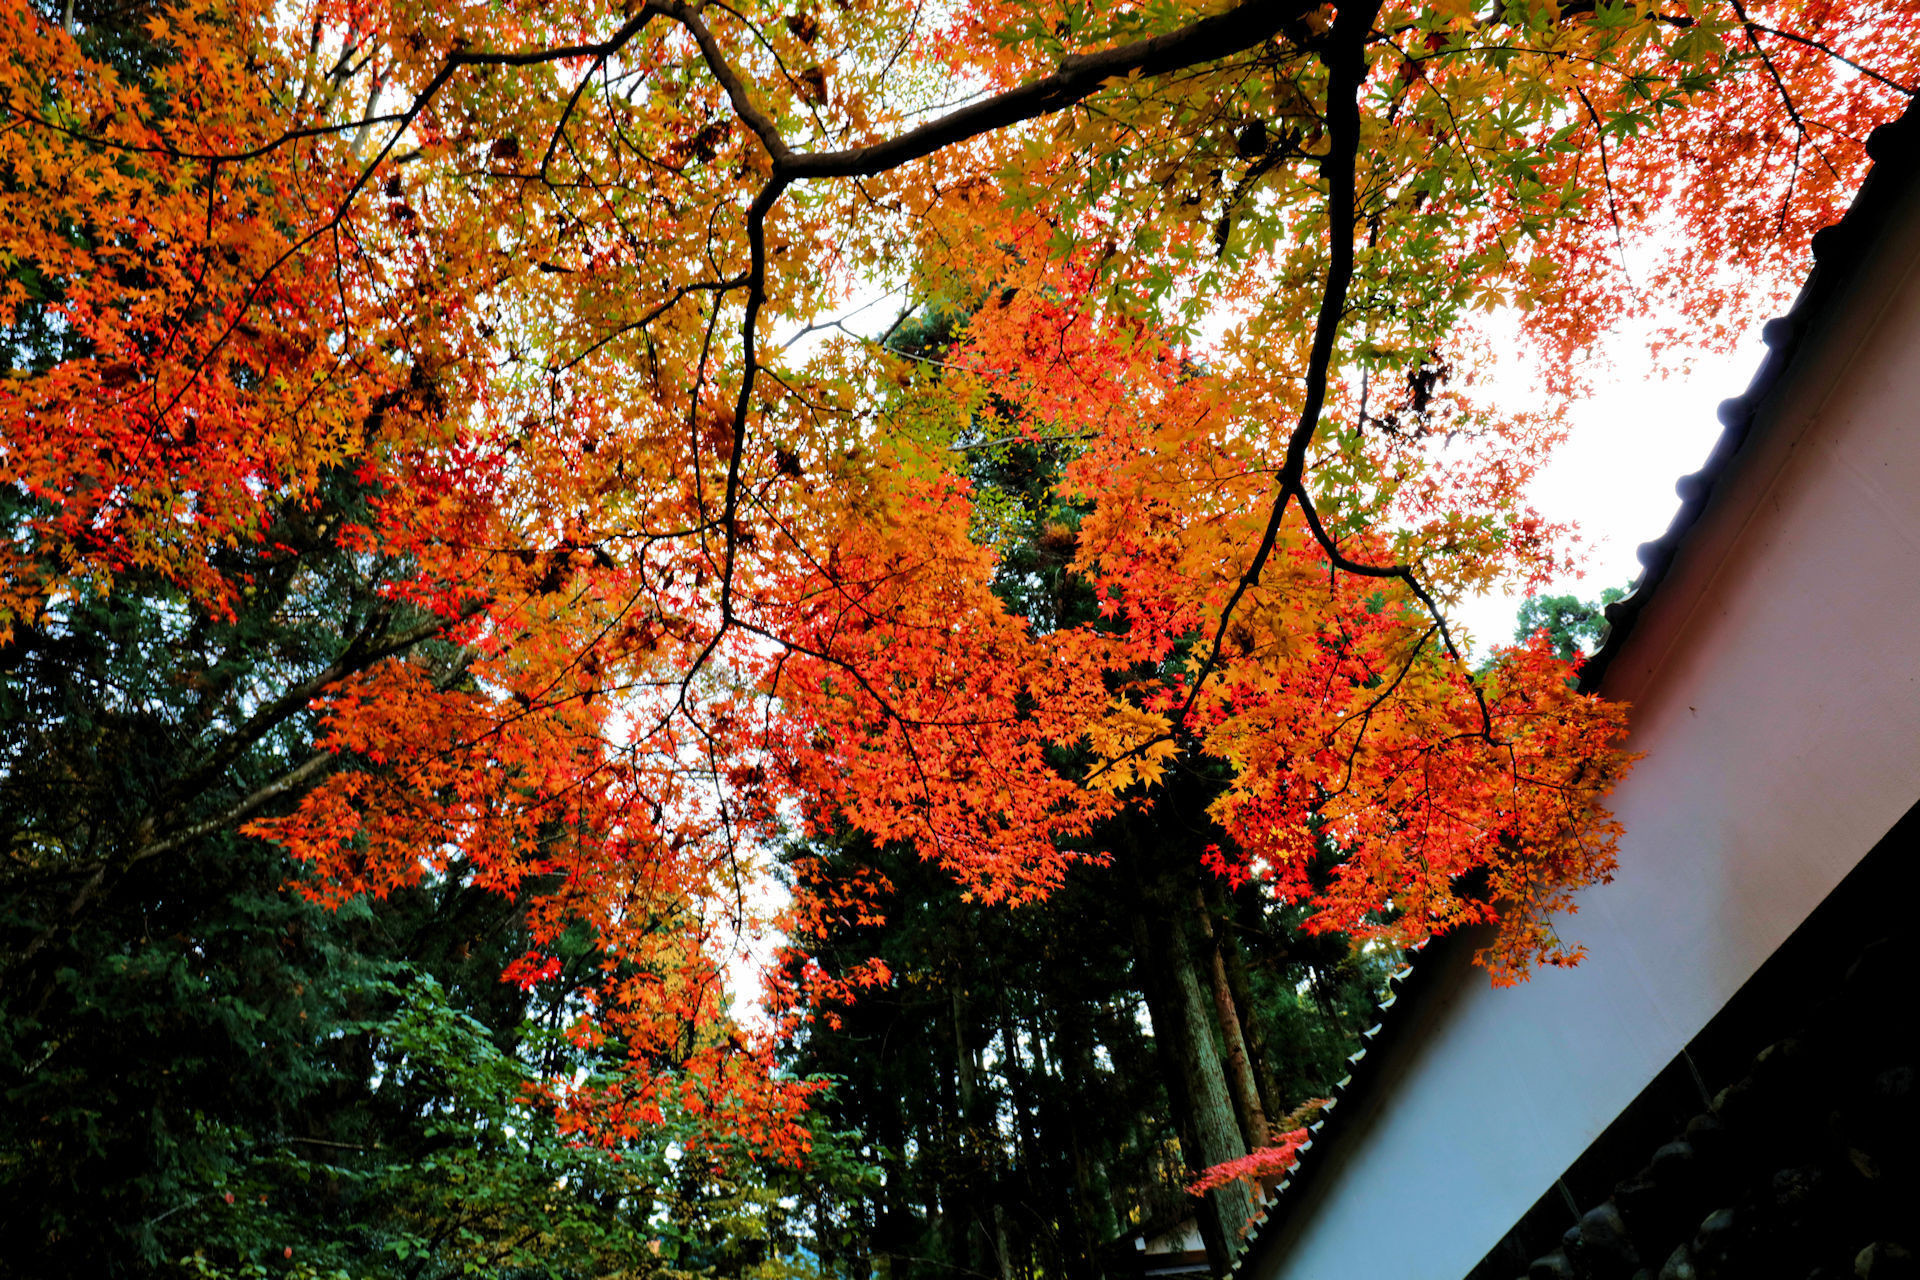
1776, 682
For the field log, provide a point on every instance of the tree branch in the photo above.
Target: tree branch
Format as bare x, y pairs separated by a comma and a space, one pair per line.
1242, 27
743, 104
1347, 72
1837, 56
1404, 573
358, 657
1786, 97
246, 808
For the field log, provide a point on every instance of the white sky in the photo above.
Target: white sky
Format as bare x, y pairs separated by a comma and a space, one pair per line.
1614, 475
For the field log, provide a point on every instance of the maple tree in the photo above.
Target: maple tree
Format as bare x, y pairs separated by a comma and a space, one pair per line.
640, 584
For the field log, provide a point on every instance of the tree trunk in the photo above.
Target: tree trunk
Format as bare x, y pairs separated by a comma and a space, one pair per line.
1002, 1245
1246, 1091
1215, 1125
1241, 981
893, 1229
959, 1195
1017, 1091
1092, 1186
1183, 1025
964, 1068
1026, 1145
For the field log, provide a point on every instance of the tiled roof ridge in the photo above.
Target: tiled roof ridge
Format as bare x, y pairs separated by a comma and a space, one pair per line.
1838, 250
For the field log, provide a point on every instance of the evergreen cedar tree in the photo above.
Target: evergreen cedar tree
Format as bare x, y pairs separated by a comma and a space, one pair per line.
458, 339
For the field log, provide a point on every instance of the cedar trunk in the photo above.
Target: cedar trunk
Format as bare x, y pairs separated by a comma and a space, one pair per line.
1240, 1079
1183, 1024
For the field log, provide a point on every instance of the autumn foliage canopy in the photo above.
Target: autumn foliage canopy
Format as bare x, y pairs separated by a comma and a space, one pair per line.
665, 558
